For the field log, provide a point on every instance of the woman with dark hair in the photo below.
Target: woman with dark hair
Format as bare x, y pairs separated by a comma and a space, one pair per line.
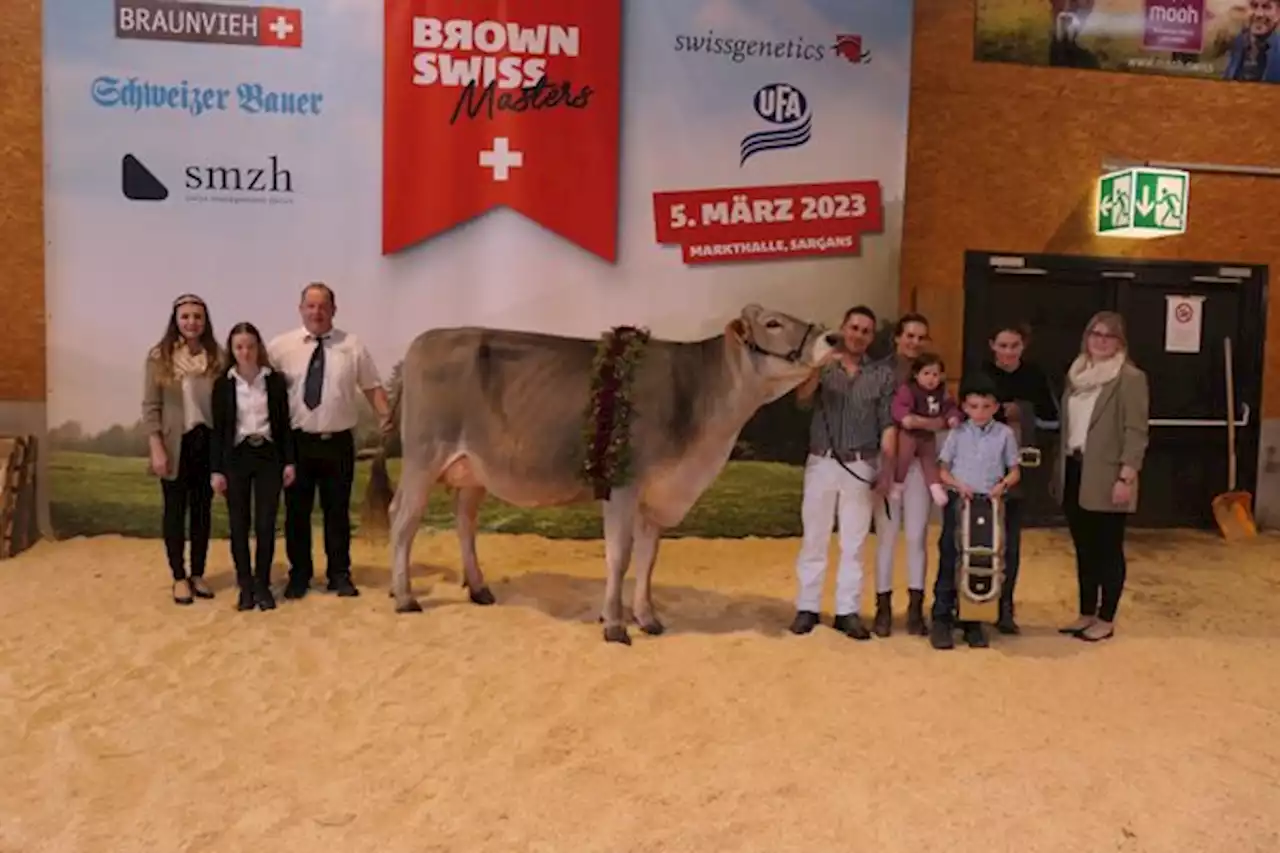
1021, 386
910, 335
253, 457
1103, 441
176, 411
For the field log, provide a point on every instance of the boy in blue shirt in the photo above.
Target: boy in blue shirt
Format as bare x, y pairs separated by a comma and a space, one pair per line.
979, 457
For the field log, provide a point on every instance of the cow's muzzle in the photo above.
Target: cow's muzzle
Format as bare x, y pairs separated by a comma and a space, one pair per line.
795, 355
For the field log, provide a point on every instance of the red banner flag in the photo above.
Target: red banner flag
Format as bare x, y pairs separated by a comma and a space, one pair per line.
502, 102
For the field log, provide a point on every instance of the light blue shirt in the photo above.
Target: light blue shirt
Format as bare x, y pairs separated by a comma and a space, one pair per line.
979, 456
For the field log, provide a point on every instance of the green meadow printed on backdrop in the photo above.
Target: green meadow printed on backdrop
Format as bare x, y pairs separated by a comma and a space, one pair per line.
1237, 40
221, 164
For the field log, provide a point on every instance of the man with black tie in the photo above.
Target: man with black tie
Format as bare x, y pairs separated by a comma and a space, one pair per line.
327, 369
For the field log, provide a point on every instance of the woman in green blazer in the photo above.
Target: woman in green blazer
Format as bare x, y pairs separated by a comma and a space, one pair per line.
177, 412
1102, 442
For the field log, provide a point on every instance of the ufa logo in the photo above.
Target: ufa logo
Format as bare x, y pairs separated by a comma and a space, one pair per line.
502, 102
783, 105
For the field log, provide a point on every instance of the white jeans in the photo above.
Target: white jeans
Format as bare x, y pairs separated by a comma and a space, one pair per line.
829, 489
913, 514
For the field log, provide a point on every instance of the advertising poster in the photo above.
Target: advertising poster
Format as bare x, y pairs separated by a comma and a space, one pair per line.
562, 166
1209, 39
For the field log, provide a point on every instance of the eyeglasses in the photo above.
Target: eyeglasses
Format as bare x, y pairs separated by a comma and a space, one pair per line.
1105, 336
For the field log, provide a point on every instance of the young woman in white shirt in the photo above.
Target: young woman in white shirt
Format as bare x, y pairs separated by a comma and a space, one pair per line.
253, 456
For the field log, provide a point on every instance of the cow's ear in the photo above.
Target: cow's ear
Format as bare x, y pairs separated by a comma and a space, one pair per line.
736, 331
752, 311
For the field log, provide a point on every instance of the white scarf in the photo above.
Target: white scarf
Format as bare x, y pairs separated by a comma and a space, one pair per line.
1086, 374
185, 364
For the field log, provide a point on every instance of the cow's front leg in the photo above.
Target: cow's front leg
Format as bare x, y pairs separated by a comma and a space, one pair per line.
467, 514
619, 525
644, 555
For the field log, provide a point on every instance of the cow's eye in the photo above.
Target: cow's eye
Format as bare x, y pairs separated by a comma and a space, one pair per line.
773, 324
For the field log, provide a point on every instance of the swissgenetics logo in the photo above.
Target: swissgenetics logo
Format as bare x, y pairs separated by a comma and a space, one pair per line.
136, 94
267, 183
208, 23
847, 47
785, 106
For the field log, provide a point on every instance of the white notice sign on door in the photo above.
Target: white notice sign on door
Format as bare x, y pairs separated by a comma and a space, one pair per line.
1184, 316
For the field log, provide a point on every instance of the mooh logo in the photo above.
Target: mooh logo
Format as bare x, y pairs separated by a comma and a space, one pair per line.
786, 107
214, 183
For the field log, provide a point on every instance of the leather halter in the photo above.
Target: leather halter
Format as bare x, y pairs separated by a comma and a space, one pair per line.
793, 356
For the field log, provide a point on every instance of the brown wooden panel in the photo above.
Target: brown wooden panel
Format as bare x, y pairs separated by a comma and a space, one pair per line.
1004, 157
22, 353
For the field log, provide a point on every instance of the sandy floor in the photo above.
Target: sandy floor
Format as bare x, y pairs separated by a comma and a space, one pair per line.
335, 726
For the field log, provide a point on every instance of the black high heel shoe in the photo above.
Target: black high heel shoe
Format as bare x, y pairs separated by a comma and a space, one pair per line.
199, 588
265, 600
182, 599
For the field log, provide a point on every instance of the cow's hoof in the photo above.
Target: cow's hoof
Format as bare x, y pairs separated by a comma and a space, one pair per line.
409, 605
653, 627
617, 634
482, 596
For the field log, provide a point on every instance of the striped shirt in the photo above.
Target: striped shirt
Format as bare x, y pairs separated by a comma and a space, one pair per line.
980, 456
856, 408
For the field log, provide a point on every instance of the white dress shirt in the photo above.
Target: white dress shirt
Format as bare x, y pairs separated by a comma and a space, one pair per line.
348, 372
1079, 414
197, 408
252, 415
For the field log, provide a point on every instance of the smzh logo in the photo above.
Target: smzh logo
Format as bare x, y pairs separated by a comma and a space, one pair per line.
849, 48
786, 106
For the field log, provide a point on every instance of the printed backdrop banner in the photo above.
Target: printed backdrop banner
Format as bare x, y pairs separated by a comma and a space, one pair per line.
1215, 39
553, 165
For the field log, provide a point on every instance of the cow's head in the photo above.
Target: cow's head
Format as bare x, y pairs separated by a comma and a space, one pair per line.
777, 350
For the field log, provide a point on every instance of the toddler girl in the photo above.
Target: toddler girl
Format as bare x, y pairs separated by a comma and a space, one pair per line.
923, 395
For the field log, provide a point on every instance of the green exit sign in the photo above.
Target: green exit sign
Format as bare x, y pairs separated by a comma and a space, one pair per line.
1142, 203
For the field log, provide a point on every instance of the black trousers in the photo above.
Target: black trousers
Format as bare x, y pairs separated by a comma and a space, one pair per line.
189, 496
254, 479
1099, 543
326, 465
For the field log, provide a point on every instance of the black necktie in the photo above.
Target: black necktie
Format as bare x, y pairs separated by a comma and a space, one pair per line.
315, 376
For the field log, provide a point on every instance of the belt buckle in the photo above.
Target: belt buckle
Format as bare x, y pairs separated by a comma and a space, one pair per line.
325, 436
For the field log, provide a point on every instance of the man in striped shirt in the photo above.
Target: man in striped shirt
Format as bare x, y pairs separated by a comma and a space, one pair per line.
850, 396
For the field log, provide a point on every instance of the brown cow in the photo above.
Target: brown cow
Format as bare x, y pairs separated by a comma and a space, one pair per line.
484, 410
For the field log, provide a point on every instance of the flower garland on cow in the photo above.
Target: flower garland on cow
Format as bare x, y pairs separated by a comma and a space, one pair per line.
607, 432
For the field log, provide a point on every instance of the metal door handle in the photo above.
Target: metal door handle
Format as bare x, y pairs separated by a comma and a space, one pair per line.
1195, 422
1173, 422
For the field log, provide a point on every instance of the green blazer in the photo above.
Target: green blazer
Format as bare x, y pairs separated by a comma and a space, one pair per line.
1117, 436
163, 410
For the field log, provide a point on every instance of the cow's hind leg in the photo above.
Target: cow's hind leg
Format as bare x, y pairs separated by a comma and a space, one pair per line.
407, 509
619, 532
644, 555
467, 513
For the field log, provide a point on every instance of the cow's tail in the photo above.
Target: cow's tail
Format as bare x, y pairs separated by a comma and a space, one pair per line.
375, 517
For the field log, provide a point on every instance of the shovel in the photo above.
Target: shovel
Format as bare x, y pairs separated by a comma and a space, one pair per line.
1232, 509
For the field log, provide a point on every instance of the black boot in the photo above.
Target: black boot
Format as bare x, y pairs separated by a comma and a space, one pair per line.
805, 621
940, 635
1005, 623
916, 626
850, 624
246, 600
883, 624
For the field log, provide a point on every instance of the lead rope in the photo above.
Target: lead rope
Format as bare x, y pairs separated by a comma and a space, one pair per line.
831, 442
